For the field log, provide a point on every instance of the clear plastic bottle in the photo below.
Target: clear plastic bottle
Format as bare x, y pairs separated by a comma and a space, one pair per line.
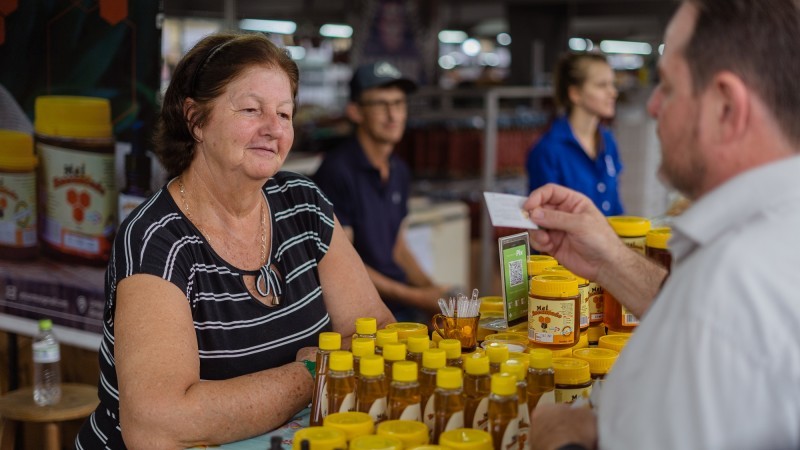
46, 365
392, 353
341, 383
361, 347
366, 327
403, 400
448, 401
383, 337
329, 341
520, 370
453, 349
417, 345
498, 354
432, 360
371, 392
541, 378
477, 387
503, 412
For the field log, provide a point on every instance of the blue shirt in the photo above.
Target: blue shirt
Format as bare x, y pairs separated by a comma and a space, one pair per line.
361, 200
559, 158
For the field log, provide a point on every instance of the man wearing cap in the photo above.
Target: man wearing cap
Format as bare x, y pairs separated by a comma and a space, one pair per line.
369, 188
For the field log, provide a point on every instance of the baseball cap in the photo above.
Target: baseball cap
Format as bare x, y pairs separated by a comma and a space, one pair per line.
378, 74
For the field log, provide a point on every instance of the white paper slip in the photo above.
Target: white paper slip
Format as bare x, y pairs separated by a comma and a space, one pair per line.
505, 210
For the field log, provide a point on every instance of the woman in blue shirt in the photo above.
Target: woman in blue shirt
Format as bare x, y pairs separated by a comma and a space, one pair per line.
577, 151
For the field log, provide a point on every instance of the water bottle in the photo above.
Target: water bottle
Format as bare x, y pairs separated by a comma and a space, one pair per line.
46, 371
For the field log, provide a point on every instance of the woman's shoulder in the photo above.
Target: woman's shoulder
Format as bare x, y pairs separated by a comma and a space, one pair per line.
157, 214
295, 186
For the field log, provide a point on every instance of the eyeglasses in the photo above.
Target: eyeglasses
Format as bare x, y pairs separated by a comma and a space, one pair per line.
384, 104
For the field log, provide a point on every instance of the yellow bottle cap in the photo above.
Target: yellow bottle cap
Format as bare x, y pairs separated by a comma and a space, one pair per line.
476, 364
385, 336
629, 226
371, 365
600, 359
353, 423
418, 344
394, 351
595, 332
561, 270
496, 351
516, 342
16, 151
614, 341
492, 303
405, 371
362, 347
452, 347
410, 432
540, 358
537, 264
558, 286
658, 237
375, 442
427, 447
434, 358
449, 378
320, 438
466, 439
341, 361
72, 116
504, 384
366, 325
330, 341
406, 329
571, 371
520, 357
515, 368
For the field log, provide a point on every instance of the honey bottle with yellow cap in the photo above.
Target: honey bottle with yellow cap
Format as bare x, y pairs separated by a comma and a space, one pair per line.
18, 215
371, 390
583, 291
477, 387
417, 345
600, 362
432, 360
341, 383
403, 400
518, 369
452, 348
632, 231
366, 327
541, 380
554, 311
329, 341
361, 347
383, 337
497, 354
656, 246
573, 380
392, 353
448, 401
538, 263
503, 412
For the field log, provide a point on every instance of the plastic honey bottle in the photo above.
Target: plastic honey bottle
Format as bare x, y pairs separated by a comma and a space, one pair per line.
361, 347
383, 337
403, 401
498, 354
432, 360
448, 401
600, 362
541, 381
417, 345
573, 380
341, 383
519, 370
329, 341
366, 327
392, 353
477, 387
452, 348
371, 391
503, 412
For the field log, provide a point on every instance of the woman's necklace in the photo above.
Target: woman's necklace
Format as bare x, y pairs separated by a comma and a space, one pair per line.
263, 223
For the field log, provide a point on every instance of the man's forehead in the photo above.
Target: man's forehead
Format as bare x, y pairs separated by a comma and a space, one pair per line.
680, 28
384, 92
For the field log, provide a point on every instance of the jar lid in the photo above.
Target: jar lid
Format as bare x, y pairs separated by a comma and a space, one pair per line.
476, 364
629, 226
410, 432
515, 342
341, 361
571, 371
366, 325
330, 340
434, 358
561, 270
558, 286
404, 371
320, 438
362, 347
452, 347
353, 423
371, 365
600, 359
375, 442
540, 358
613, 341
418, 344
16, 150
394, 351
594, 333
658, 237
385, 336
492, 303
406, 329
449, 378
537, 263
72, 116
466, 439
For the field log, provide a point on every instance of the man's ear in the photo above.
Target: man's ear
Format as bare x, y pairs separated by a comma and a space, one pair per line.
353, 113
729, 106
189, 114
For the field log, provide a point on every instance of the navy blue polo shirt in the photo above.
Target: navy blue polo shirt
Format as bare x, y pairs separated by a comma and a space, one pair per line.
373, 208
559, 158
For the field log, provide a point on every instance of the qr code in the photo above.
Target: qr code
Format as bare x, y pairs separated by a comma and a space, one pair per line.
515, 273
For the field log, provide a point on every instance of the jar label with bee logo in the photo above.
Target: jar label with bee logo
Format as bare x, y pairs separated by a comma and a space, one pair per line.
551, 321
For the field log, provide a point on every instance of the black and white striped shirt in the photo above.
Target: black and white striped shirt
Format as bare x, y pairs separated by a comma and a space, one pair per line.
236, 333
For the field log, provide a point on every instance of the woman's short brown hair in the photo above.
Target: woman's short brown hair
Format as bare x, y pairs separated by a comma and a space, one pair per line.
202, 75
572, 69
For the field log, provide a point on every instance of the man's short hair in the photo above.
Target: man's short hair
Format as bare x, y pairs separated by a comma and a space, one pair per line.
378, 74
759, 41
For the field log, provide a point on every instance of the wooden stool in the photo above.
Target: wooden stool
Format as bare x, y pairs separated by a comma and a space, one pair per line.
77, 401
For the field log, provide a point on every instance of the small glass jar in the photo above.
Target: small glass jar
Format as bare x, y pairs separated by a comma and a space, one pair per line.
573, 380
554, 311
656, 246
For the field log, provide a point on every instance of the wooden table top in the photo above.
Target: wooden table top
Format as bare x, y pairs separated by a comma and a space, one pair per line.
77, 401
